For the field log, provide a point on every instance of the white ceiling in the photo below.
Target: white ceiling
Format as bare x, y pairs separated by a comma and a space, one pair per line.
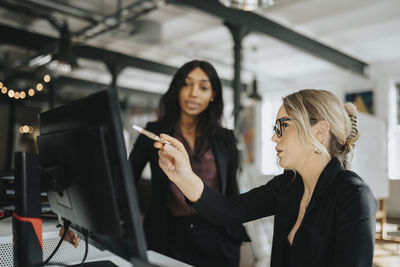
368, 30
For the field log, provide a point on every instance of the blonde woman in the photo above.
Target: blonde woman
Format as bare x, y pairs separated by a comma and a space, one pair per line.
324, 213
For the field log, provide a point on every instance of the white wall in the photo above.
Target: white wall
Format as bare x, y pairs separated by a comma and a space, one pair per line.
370, 156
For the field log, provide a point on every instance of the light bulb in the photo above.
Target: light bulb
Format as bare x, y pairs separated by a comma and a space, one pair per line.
39, 87
11, 93
31, 92
25, 129
47, 78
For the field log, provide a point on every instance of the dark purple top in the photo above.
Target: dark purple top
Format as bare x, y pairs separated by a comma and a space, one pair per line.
203, 166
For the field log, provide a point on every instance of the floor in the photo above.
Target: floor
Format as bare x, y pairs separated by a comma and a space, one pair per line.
385, 254
388, 254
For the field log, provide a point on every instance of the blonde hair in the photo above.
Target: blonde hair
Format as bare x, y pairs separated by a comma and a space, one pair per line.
309, 106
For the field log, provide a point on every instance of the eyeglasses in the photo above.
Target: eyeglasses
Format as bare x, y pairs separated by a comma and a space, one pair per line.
277, 128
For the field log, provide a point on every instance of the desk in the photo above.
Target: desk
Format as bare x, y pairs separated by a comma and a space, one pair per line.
154, 258
67, 253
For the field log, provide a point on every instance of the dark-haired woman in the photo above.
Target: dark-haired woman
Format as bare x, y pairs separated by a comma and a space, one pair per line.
190, 111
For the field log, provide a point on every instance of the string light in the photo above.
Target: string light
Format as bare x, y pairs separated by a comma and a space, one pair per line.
22, 94
31, 92
25, 129
47, 78
11, 93
39, 87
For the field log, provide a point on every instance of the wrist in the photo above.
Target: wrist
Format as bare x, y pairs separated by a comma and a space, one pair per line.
192, 186
185, 176
197, 187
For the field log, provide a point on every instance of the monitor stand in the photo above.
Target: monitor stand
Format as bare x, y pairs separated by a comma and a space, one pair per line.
27, 219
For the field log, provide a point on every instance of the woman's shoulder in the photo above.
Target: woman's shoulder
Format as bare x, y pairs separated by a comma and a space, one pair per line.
225, 137
224, 133
354, 195
348, 178
350, 183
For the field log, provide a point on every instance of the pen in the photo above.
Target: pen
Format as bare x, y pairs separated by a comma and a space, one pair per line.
150, 135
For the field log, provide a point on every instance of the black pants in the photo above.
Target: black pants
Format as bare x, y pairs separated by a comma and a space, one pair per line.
197, 242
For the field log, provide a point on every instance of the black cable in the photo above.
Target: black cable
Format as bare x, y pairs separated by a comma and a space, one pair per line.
86, 247
66, 228
57, 264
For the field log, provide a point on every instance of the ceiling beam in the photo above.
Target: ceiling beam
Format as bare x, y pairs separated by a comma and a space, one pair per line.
112, 58
64, 80
23, 38
257, 23
65, 8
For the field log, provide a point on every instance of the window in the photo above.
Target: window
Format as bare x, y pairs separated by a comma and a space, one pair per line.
394, 134
271, 103
397, 88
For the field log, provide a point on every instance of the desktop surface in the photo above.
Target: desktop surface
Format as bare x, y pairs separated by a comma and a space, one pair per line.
70, 255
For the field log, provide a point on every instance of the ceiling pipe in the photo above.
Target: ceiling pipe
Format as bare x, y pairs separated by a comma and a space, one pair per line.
113, 21
22, 8
238, 34
14, 36
256, 23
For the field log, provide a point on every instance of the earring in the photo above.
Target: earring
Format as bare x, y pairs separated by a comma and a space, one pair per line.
316, 150
212, 100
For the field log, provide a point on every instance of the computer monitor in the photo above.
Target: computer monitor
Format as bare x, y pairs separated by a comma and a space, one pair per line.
84, 164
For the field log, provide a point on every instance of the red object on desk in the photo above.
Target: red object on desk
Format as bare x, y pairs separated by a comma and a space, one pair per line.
36, 224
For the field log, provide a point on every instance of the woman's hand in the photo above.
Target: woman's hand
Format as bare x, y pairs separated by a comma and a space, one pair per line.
174, 161
70, 237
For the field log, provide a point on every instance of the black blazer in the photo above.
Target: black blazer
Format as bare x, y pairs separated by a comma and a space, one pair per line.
338, 228
156, 221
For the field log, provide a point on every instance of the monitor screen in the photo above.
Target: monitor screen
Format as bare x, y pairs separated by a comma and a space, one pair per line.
87, 174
